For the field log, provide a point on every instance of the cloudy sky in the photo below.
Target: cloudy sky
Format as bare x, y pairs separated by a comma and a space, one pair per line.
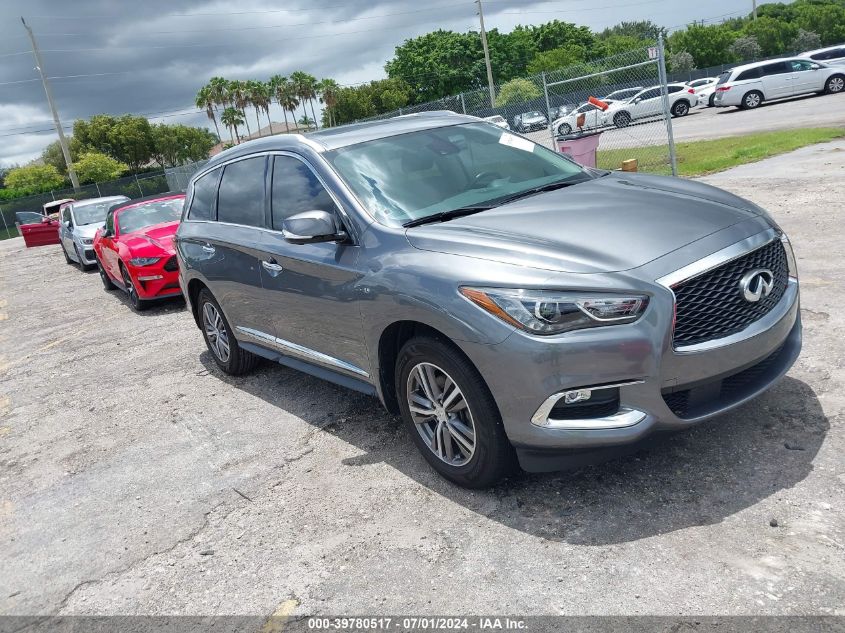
151, 56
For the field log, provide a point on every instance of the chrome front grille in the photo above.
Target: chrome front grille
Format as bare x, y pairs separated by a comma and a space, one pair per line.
710, 306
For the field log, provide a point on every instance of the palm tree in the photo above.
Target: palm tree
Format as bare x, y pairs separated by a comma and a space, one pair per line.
256, 92
268, 93
328, 89
240, 100
219, 89
232, 118
285, 95
204, 100
305, 121
305, 86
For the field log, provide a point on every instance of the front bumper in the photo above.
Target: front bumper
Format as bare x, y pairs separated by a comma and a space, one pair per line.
659, 389
154, 282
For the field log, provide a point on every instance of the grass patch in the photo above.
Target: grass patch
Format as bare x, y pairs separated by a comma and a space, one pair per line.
697, 158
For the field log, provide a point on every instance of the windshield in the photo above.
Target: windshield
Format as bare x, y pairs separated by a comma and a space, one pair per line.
93, 212
148, 214
419, 174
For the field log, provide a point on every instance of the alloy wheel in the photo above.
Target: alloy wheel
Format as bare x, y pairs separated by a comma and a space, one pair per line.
836, 84
215, 331
441, 414
752, 100
130, 287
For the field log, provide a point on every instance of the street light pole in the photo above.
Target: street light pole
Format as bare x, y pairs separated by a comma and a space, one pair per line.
39, 65
486, 55
754, 8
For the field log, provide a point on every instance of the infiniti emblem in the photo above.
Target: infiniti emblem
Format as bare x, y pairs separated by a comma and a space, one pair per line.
756, 284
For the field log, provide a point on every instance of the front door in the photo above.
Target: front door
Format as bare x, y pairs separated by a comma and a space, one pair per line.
806, 77
66, 231
108, 249
313, 288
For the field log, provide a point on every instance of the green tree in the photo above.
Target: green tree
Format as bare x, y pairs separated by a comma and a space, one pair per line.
510, 53
285, 94
827, 19
556, 34
372, 99
681, 62
181, 144
96, 167
708, 45
774, 36
305, 88
645, 30
327, 88
34, 178
240, 99
258, 98
232, 118
52, 155
746, 48
205, 101
557, 58
805, 41
131, 140
517, 91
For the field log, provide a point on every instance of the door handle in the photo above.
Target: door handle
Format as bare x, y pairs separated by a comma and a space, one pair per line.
272, 267
208, 248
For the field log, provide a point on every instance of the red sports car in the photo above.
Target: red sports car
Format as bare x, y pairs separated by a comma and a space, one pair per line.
135, 248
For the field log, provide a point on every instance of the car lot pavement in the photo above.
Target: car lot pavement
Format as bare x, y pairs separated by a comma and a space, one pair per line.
135, 478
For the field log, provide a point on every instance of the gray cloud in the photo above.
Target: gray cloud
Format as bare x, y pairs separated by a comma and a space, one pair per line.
151, 58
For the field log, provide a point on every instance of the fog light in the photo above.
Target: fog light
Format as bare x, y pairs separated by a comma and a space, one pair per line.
580, 395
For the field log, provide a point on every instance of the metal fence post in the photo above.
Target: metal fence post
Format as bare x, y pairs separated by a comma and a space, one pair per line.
664, 91
97, 185
549, 112
463, 104
139, 185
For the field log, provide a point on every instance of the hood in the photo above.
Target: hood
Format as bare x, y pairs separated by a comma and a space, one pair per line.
86, 231
152, 240
613, 223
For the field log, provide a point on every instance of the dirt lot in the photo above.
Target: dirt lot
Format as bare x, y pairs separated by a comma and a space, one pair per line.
136, 478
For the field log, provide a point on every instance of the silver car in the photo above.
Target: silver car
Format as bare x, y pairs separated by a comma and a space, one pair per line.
509, 304
78, 223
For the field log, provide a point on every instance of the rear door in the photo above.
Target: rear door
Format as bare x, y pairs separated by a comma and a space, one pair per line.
777, 80
312, 288
220, 239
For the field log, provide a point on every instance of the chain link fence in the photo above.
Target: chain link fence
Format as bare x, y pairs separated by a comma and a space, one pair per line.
137, 186
547, 108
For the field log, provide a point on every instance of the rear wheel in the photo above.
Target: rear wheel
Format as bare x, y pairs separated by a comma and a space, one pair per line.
752, 100
135, 301
835, 84
218, 336
681, 108
108, 284
623, 119
451, 415
68, 260
564, 129
712, 100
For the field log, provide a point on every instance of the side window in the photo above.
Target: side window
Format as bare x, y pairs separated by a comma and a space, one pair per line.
800, 65
296, 189
753, 73
205, 190
650, 94
66, 214
110, 223
837, 53
240, 199
778, 68
674, 89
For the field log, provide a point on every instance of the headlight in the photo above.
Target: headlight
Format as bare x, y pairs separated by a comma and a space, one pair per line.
144, 261
790, 256
87, 241
548, 312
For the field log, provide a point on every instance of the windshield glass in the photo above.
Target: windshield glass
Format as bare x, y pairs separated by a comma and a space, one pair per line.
93, 212
155, 212
419, 174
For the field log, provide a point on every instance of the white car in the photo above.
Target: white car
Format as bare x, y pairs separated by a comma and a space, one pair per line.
704, 89
593, 118
750, 85
649, 103
831, 56
498, 119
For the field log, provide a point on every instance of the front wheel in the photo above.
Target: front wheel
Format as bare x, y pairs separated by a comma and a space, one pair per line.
108, 284
835, 84
138, 304
711, 102
564, 129
451, 415
222, 344
68, 260
623, 119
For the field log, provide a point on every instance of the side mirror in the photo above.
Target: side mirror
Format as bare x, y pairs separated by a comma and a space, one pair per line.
310, 227
68, 225
46, 220
637, 100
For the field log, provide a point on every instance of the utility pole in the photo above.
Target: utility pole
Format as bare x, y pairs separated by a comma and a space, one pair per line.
39, 65
754, 8
486, 55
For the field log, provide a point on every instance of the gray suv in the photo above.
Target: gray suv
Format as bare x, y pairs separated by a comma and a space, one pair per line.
508, 303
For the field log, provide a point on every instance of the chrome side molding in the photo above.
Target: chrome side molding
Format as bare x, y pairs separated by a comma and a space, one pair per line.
301, 352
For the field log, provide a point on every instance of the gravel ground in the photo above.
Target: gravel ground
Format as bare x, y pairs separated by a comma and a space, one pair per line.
135, 478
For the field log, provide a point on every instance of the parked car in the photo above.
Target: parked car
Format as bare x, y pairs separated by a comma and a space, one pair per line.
649, 103
134, 249
498, 119
750, 85
508, 303
36, 228
78, 224
831, 56
593, 118
561, 111
530, 121
704, 88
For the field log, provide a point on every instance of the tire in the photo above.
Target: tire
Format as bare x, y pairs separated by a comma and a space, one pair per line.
564, 129
464, 441
81, 263
238, 361
622, 119
108, 284
711, 102
752, 100
68, 260
680, 109
138, 304
835, 84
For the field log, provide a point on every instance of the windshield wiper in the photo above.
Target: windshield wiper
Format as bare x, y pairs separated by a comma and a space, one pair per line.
445, 216
552, 186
